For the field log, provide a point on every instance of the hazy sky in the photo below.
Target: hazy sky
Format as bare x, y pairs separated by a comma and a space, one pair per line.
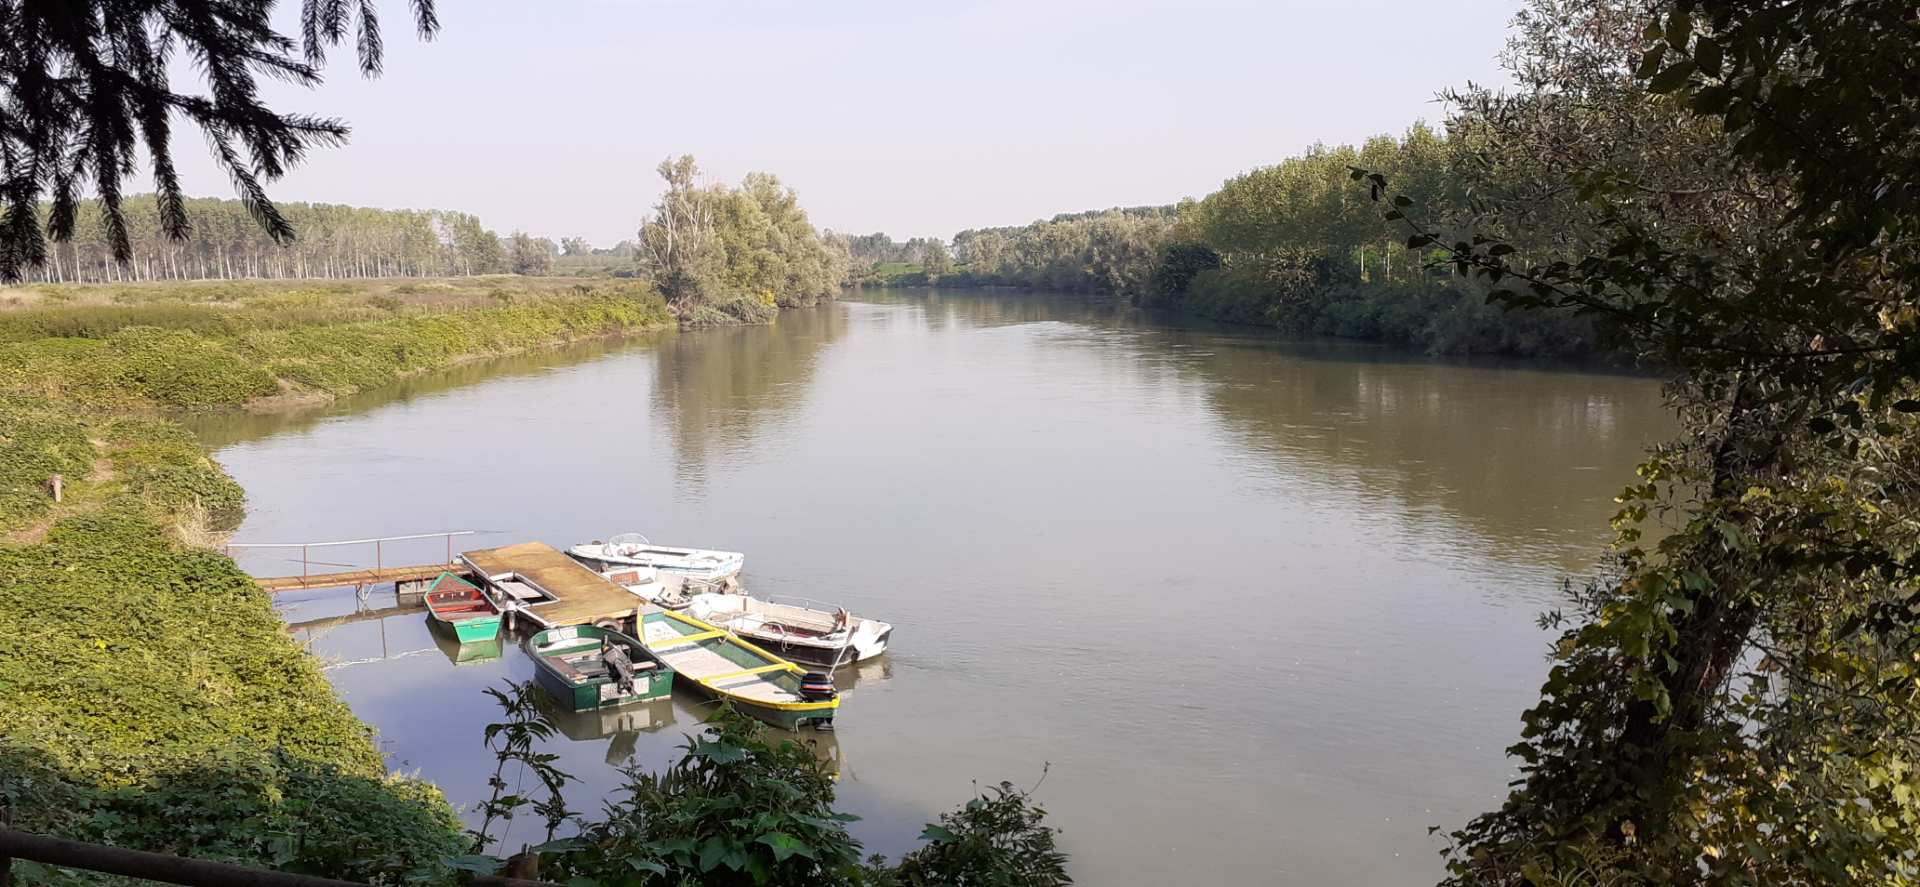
908, 117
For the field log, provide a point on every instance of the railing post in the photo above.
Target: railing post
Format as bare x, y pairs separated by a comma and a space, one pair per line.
377, 563
303, 562
449, 549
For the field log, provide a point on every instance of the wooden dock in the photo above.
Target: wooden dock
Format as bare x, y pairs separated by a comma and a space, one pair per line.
360, 578
577, 595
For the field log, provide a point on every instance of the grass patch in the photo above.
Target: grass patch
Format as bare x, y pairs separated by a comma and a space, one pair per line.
153, 700
199, 347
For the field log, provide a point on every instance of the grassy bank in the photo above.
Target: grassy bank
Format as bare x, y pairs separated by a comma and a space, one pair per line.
151, 695
202, 345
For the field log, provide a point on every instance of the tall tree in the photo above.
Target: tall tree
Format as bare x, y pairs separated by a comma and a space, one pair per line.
936, 259
86, 89
1738, 702
529, 255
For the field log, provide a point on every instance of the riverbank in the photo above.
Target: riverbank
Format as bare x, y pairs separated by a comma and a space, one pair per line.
260, 344
152, 695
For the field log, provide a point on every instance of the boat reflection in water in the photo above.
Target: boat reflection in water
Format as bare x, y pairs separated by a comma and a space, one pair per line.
623, 724
459, 653
849, 675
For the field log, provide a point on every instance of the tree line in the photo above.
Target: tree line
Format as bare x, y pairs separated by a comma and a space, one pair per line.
1290, 245
333, 241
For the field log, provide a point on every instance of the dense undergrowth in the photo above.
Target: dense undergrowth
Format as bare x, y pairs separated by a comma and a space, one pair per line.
153, 700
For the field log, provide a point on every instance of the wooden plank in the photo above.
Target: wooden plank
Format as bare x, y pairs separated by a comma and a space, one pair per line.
351, 578
581, 596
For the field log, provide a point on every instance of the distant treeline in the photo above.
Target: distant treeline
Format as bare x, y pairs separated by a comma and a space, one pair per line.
1297, 245
334, 241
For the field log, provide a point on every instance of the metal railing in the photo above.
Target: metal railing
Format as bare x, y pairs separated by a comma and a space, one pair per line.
378, 543
168, 869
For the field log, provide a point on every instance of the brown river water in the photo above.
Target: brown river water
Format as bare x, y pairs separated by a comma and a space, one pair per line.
1264, 607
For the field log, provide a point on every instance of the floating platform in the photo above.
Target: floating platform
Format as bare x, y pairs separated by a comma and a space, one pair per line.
538, 583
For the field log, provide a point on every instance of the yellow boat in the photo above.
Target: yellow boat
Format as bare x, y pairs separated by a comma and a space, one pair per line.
755, 681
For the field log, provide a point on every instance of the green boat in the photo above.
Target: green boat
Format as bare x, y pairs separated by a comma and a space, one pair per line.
456, 604
584, 667
757, 682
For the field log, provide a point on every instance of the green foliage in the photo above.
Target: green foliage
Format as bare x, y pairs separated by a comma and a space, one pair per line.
1111, 252
1179, 264
738, 810
513, 742
163, 464
998, 839
37, 441
724, 249
327, 341
154, 700
1738, 700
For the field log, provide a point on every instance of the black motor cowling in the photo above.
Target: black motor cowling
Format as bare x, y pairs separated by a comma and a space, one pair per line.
817, 686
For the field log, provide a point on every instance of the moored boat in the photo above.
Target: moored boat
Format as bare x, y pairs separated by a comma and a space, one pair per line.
461, 607
670, 592
796, 629
628, 550
586, 667
756, 682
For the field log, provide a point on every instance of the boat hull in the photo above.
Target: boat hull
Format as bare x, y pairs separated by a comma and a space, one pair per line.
471, 631
579, 697
825, 657
723, 659
580, 692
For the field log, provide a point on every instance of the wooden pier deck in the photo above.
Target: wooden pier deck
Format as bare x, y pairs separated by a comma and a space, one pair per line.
580, 596
357, 578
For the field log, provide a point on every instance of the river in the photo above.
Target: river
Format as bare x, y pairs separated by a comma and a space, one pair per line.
1263, 609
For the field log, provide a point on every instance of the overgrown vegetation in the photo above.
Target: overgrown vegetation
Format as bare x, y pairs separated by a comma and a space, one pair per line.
736, 809
152, 699
207, 345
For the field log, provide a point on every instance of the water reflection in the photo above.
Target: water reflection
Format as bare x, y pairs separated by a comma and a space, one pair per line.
1238, 591
725, 393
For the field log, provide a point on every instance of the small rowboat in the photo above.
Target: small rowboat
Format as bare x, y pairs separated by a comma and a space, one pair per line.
584, 667
458, 605
757, 682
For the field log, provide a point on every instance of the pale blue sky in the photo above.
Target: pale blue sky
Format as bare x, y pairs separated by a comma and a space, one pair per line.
906, 117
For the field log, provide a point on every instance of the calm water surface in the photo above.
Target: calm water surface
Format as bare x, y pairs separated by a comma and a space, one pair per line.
1265, 607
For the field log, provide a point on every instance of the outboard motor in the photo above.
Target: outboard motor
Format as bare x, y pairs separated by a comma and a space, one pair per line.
619, 667
817, 686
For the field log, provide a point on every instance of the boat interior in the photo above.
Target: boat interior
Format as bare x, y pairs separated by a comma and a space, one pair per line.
584, 660
461, 603
781, 620
704, 661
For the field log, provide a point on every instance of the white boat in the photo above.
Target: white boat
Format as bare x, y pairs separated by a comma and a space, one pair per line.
664, 590
633, 550
797, 629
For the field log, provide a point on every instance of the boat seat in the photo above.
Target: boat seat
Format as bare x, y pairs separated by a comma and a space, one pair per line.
594, 668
